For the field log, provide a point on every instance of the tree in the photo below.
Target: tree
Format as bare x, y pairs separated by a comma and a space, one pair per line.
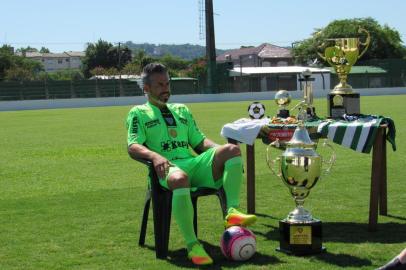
131, 69
44, 50
198, 68
104, 71
14, 67
385, 41
104, 54
17, 73
139, 60
174, 62
142, 59
24, 50
62, 75
122, 55
6, 59
22, 69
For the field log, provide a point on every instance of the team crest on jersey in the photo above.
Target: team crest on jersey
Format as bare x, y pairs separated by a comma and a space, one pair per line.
173, 133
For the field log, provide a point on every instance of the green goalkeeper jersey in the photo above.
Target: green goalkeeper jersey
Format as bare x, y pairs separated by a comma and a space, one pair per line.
168, 131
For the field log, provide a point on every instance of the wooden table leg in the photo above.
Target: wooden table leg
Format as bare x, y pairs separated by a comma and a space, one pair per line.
251, 178
376, 178
383, 198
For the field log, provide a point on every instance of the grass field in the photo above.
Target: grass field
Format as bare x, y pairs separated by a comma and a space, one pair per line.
71, 198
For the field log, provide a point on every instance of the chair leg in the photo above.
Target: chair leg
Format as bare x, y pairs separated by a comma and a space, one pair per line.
162, 221
194, 202
144, 221
221, 194
166, 226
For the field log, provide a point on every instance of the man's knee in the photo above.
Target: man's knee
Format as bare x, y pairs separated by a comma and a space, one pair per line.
232, 150
177, 180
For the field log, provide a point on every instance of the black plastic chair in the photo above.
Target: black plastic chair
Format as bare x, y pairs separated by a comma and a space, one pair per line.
162, 210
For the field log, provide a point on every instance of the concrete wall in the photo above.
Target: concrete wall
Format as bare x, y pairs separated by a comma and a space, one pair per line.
123, 101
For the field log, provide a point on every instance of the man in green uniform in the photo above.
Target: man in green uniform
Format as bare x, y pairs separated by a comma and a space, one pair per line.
162, 132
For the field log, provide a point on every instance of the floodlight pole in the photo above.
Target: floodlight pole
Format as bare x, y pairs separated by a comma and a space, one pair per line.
121, 92
210, 47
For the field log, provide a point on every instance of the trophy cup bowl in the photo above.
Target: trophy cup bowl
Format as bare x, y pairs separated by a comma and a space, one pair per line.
300, 168
342, 56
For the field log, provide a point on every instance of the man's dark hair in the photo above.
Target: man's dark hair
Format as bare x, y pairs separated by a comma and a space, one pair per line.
150, 69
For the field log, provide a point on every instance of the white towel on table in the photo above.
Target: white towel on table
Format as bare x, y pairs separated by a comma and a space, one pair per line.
244, 130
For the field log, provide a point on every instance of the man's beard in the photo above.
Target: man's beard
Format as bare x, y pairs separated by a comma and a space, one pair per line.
162, 99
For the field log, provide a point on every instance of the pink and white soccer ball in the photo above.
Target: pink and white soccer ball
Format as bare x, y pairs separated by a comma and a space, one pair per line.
238, 243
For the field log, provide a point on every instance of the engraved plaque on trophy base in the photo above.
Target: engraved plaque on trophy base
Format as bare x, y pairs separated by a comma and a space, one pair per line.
339, 104
300, 238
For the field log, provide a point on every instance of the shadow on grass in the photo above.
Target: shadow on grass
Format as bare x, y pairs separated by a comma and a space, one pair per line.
397, 217
343, 260
350, 232
179, 258
266, 216
340, 260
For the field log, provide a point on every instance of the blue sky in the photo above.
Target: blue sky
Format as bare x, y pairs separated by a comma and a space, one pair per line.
69, 25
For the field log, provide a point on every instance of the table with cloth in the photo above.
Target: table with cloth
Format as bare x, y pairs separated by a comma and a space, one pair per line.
361, 133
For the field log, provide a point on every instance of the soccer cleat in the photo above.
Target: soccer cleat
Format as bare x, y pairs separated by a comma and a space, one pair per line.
236, 218
198, 255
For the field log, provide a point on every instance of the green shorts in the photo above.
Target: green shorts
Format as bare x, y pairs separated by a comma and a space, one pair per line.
198, 169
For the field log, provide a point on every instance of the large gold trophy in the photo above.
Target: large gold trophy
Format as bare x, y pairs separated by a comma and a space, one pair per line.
300, 168
342, 56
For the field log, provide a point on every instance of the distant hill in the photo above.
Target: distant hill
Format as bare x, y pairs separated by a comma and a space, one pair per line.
185, 51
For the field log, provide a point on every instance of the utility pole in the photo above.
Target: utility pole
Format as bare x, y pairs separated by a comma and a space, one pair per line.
119, 70
210, 47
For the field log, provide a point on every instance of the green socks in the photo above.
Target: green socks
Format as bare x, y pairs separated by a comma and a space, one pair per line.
232, 180
182, 207
182, 210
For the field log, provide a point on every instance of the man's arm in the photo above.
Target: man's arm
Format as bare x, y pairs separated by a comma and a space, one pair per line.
204, 145
161, 164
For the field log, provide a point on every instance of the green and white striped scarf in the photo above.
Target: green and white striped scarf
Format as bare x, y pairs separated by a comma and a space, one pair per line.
359, 135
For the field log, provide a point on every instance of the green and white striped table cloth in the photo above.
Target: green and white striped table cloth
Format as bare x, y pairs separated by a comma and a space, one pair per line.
358, 135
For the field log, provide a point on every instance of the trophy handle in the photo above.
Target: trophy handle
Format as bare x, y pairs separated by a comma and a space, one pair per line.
321, 56
332, 159
367, 41
271, 162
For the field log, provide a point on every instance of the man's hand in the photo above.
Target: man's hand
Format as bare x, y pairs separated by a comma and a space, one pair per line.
161, 166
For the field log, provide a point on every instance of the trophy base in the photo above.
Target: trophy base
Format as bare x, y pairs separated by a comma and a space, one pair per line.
300, 238
342, 103
283, 113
